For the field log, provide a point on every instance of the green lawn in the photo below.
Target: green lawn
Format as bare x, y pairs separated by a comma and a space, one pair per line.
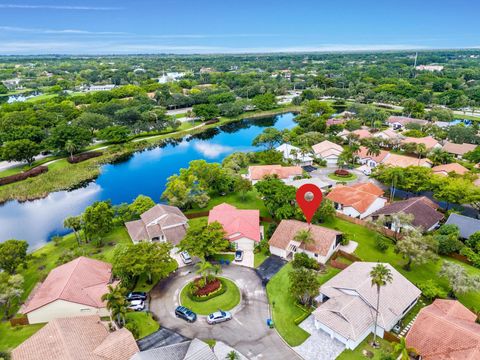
145, 324
250, 201
385, 348
284, 308
368, 252
11, 337
259, 258
226, 301
224, 257
351, 177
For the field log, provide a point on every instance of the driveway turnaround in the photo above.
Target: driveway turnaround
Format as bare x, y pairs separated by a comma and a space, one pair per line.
247, 332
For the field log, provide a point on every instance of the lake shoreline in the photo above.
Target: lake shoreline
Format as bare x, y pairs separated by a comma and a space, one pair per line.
64, 176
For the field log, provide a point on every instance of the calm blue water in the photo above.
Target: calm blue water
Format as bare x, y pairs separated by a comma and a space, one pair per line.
144, 173
462, 121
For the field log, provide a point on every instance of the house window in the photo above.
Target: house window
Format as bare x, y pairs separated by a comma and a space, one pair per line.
316, 255
85, 310
293, 248
338, 239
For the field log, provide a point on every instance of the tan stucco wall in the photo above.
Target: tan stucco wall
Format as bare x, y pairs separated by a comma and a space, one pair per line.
62, 308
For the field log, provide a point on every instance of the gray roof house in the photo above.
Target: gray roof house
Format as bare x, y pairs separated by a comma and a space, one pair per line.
467, 225
160, 223
189, 350
348, 303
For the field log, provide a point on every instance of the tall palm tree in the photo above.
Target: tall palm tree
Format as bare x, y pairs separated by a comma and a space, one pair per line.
421, 151
403, 349
70, 147
74, 223
116, 303
304, 236
206, 268
396, 174
373, 148
380, 276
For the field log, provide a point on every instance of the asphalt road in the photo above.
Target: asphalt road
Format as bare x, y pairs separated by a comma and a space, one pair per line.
247, 332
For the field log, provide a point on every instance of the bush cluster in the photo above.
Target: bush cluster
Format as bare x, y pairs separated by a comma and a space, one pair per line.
342, 173
24, 175
303, 260
192, 288
83, 156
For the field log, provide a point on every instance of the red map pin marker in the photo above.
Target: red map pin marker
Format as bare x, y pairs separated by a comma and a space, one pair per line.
309, 198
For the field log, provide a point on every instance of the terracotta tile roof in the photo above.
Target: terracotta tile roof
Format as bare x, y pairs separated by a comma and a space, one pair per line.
422, 208
403, 120
359, 196
445, 330
336, 121
446, 168
287, 229
258, 172
428, 141
77, 338
362, 154
81, 281
237, 223
405, 161
326, 148
350, 309
458, 149
388, 133
157, 221
362, 133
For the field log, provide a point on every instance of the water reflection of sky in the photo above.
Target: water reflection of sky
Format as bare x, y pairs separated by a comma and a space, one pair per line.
144, 173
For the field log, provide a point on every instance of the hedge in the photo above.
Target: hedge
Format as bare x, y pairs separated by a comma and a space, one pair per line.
24, 175
223, 288
83, 156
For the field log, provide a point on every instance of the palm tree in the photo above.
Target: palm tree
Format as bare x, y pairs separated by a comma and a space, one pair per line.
116, 303
232, 355
421, 151
403, 349
373, 148
206, 268
304, 236
380, 276
70, 147
396, 174
74, 223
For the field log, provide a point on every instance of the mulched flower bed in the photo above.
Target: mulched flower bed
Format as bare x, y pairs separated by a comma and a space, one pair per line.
209, 288
342, 173
84, 156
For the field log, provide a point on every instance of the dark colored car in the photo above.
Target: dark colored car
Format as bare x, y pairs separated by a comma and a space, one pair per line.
185, 313
137, 295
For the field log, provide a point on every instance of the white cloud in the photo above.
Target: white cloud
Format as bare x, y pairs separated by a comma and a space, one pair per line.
60, 31
210, 150
59, 7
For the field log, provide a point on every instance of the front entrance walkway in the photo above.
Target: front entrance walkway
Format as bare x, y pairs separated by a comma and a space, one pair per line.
319, 346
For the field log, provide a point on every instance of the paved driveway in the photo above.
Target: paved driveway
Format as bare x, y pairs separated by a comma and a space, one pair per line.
247, 332
323, 172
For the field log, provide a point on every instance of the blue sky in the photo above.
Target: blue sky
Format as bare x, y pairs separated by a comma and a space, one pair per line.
214, 26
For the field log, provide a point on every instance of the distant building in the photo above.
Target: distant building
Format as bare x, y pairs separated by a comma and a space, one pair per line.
405, 161
446, 169
293, 153
206, 70
170, 77
92, 88
466, 225
399, 122
328, 151
458, 149
429, 142
285, 173
371, 160
12, 84
358, 200
429, 68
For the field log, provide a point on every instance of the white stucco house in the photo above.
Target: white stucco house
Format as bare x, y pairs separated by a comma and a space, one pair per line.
358, 200
295, 154
72, 289
348, 304
241, 226
371, 160
328, 151
325, 241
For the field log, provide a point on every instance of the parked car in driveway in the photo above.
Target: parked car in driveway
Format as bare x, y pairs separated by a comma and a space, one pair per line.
218, 317
185, 313
239, 255
136, 305
137, 295
186, 258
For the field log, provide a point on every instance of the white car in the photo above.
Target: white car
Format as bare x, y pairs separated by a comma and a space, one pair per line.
218, 317
136, 305
186, 258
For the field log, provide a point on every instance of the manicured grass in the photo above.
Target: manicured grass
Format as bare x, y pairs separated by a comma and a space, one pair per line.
329, 273
145, 323
250, 201
385, 348
367, 251
259, 258
223, 257
228, 300
351, 177
11, 337
284, 308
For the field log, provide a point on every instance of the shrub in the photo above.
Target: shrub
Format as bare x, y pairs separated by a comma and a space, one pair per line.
270, 230
192, 290
472, 256
431, 290
24, 175
342, 173
381, 243
84, 156
134, 329
303, 260
448, 244
262, 247
474, 241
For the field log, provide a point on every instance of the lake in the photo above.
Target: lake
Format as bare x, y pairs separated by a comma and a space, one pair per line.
145, 173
